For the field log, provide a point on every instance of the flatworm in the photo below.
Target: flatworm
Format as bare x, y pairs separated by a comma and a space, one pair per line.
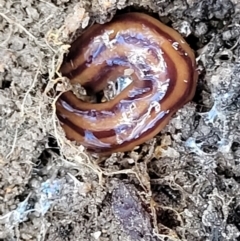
151, 68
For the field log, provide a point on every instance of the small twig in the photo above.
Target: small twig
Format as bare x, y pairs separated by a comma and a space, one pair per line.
236, 44
31, 87
13, 145
18, 25
59, 141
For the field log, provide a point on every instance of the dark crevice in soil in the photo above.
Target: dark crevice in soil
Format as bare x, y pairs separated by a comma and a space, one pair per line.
165, 192
227, 173
168, 218
5, 84
64, 231
52, 143
234, 214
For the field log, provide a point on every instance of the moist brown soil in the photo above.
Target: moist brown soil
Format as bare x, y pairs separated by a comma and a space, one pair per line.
184, 184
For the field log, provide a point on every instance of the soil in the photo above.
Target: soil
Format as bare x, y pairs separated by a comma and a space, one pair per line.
184, 184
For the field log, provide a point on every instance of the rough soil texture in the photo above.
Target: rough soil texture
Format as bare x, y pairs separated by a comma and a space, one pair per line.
184, 184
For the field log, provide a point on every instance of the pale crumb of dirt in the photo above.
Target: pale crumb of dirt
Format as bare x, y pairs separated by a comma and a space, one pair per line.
79, 18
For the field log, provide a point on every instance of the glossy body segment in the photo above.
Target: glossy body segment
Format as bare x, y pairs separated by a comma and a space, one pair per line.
162, 70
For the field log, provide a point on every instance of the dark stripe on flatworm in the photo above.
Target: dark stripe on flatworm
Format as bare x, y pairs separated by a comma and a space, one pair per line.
185, 57
105, 69
81, 43
81, 131
114, 61
126, 18
112, 108
104, 134
76, 70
